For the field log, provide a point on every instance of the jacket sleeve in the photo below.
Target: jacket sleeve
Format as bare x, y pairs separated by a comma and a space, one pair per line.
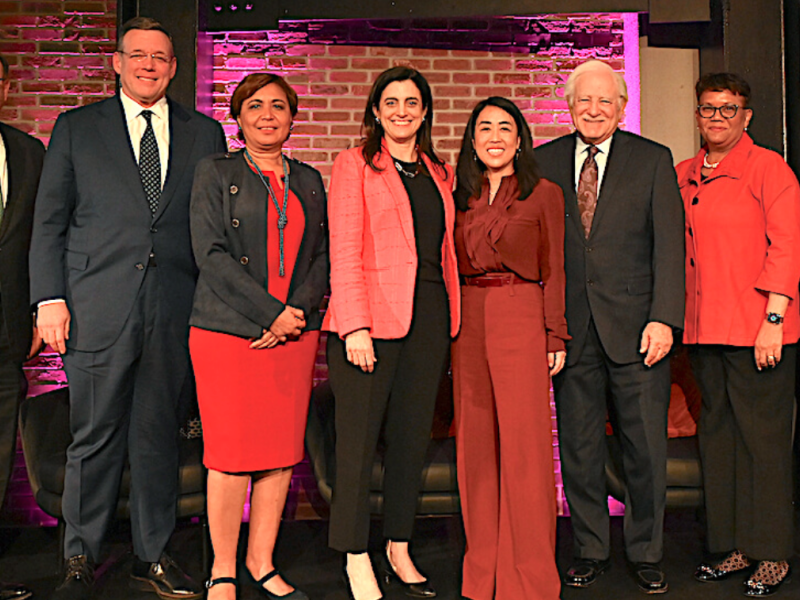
346, 208
226, 277
55, 203
669, 250
551, 269
779, 195
309, 294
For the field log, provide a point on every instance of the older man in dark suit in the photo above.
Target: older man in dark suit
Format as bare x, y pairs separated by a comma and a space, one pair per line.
21, 159
113, 281
625, 294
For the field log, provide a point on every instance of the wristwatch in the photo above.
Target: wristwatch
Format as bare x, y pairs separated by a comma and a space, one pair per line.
775, 318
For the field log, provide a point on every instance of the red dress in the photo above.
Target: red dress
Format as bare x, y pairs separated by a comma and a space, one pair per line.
254, 403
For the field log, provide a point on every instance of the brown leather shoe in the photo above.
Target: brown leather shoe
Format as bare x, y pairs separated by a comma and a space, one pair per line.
14, 591
78, 579
164, 578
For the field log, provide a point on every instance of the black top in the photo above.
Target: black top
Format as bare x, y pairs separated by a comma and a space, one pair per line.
427, 209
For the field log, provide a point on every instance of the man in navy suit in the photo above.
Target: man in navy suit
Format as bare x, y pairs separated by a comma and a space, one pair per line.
624, 261
113, 281
21, 159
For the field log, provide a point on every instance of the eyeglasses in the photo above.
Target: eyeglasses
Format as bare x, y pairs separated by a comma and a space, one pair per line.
162, 59
727, 111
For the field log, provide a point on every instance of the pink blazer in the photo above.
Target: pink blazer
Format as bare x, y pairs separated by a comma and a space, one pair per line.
372, 250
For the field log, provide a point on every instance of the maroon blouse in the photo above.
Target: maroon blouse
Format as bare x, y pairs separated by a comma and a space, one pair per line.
524, 237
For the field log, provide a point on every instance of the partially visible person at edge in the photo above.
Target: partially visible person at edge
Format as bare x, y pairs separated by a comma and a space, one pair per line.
742, 325
394, 306
259, 234
510, 247
21, 159
623, 258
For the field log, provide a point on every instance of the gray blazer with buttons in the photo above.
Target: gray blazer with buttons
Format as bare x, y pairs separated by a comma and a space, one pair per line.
229, 238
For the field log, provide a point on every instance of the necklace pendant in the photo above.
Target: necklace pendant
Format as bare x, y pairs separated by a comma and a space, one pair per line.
282, 220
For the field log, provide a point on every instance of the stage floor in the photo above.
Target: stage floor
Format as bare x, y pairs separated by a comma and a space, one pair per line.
29, 555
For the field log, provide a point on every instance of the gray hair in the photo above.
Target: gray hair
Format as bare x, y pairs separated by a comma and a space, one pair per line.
594, 66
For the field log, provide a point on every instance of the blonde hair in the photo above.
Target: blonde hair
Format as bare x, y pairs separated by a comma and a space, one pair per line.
591, 66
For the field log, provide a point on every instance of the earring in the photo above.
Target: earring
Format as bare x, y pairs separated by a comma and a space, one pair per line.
423, 119
291, 127
474, 155
516, 156
377, 120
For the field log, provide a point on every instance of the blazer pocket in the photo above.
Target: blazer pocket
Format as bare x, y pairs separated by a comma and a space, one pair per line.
77, 260
640, 286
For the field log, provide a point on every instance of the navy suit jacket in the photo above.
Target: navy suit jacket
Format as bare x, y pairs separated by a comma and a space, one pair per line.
93, 230
630, 270
24, 155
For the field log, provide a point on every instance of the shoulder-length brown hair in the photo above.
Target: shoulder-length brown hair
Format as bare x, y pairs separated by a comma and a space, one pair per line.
373, 130
470, 169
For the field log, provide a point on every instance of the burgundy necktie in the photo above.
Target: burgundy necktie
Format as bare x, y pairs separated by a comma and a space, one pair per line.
587, 190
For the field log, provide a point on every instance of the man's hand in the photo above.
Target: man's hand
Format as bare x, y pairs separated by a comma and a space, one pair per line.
53, 323
656, 342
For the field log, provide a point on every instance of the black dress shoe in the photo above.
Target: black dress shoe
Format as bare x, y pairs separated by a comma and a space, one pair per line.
733, 562
78, 580
650, 578
164, 578
258, 584
421, 589
759, 589
14, 591
584, 571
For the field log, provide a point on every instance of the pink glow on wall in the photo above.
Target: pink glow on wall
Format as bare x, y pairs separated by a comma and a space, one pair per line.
630, 40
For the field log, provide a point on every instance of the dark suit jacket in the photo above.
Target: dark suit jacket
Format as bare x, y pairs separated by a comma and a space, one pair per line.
630, 270
229, 236
24, 155
93, 230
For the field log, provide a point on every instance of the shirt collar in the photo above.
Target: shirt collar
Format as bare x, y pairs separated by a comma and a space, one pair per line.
581, 146
133, 109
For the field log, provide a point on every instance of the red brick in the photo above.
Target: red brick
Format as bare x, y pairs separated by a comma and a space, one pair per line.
328, 90
440, 131
327, 63
494, 64
541, 118
348, 76
360, 90
369, 63
298, 142
40, 34
308, 129
437, 77
533, 91
286, 63
42, 60
471, 77
61, 100
521, 78
452, 65
533, 65
255, 64
10, 47
338, 143
84, 88
468, 54
453, 117
304, 102
22, 100
352, 130
347, 51
386, 51
441, 103
428, 52
42, 7
309, 156
329, 115
306, 50
551, 105
92, 62
348, 103
38, 87
465, 104
494, 90
550, 132
549, 78
452, 90
17, 20
564, 119
449, 144
9, 7
9, 115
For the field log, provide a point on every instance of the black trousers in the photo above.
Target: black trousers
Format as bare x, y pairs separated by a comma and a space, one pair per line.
13, 387
639, 401
402, 390
745, 436
125, 399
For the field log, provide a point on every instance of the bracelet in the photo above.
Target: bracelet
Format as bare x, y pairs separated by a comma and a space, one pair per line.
775, 318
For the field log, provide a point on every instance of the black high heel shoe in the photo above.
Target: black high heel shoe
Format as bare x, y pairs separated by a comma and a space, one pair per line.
219, 580
421, 589
264, 592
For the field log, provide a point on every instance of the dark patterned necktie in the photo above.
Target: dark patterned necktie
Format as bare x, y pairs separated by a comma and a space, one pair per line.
149, 163
587, 190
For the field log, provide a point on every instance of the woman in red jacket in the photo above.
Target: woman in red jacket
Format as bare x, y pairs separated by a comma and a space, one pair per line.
510, 248
742, 320
394, 306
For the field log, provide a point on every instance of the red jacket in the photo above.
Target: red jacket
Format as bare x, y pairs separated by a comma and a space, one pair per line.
372, 249
742, 242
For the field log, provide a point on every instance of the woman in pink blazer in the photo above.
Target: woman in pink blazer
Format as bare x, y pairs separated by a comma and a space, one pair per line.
394, 307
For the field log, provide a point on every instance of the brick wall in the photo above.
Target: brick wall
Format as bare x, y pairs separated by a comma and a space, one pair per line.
60, 57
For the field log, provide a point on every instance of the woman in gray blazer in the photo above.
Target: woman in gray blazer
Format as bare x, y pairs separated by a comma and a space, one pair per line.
259, 235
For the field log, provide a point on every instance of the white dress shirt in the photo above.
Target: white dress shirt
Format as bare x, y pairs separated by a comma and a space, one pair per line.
137, 124
601, 158
3, 172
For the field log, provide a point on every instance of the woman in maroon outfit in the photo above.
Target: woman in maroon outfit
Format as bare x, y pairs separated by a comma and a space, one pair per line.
259, 237
510, 247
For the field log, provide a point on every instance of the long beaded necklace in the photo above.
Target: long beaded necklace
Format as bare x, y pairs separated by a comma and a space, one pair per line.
281, 213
